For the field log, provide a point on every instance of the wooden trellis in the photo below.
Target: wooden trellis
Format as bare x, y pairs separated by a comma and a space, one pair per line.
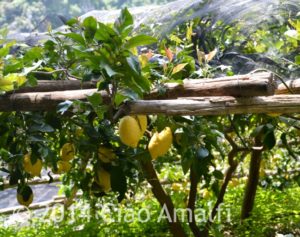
252, 93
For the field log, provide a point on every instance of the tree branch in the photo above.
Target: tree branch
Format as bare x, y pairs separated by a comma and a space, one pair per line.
191, 203
164, 200
253, 178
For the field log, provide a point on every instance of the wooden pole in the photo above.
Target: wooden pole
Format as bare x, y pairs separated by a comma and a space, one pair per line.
217, 105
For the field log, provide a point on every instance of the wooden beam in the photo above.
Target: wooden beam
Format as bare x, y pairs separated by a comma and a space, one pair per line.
216, 105
57, 85
43, 101
293, 86
256, 84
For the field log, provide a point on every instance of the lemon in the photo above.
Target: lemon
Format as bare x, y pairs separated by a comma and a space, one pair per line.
106, 155
160, 143
142, 121
63, 166
33, 169
131, 129
103, 180
67, 152
176, 186
234, 182
25, 196
206, 194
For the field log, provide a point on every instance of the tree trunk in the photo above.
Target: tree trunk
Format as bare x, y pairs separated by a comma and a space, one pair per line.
164, 200
253, 178
191, 204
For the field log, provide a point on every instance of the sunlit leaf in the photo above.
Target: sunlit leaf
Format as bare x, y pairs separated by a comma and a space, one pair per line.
11, 81
169, 54
178, 68
64, 106
189, 32
211, 55
139, 40
124, 23
90, 25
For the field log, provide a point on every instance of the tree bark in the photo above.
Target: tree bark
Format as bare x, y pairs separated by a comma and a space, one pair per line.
293, 86
164, 200
253, 178
57, 85
191, 204
256, 84
217, 105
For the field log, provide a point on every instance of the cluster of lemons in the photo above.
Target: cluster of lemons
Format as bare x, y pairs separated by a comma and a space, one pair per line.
25, 193
132, 128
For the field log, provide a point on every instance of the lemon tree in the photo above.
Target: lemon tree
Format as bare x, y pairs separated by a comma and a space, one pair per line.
106, 152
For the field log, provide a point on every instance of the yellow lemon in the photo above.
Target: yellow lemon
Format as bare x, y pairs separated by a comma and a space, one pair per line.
160, 143
176, 186
24, 196
103, 180
206, 194
106, 155
63, 166
67, 152
33, 169
142, 121
234, 182
131, 129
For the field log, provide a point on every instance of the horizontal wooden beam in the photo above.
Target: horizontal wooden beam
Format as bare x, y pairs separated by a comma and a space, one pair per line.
256, 84
217, 105
241, 89
57, 85
290, 86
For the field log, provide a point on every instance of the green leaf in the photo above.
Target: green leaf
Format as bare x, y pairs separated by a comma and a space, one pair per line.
36, 138
104, 32
33, 53
124, 23
186, 161
90, 25
64, 106
4, 51
72, 22
41, 128
257, 130
202, 152
125, 94
118, 181
95, 99
110, 72
134, 64
75, 37
139, 40
269, 140
297, 59
135, 73
218, 174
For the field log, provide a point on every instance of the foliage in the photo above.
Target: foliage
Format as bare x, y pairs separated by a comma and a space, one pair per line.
275, 212
112, 55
